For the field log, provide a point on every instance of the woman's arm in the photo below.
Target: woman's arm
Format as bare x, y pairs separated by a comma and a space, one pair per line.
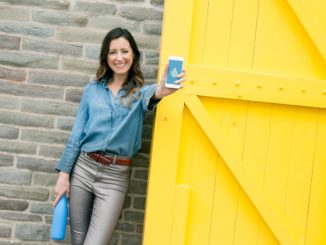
162, 91
72, 149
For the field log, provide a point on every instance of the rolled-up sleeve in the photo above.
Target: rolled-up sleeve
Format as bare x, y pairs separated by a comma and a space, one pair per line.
147, 97
72, 148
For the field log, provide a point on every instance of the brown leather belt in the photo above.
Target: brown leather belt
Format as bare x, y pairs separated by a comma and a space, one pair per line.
107, 159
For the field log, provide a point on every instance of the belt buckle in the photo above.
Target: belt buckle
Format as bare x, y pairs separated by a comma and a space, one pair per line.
114, 161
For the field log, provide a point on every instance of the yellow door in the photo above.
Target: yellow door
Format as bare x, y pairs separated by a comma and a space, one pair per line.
239, 154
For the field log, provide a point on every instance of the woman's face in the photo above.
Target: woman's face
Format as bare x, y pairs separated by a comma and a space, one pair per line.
120, 56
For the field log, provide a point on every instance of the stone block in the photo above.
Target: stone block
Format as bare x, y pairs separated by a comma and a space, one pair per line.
25, 59
25, 193
32, 232
58, 78
15, 177
24, 89
41, 179
9, 42
60, 48
6, 160
15, 205
25, 119
18, 216
139, 203
152, 58
41, 208
146, 42
92, 52
36, 164
26, 28
138, 187
141, 160
151, 81
157, 2
108, 23
17, 147
12, 74
114, 240
11, 103
44, 136
134, 216
4, 242
5, 231
50, 151
8, 132
95, 8
153, 28
140, 13
65, 123
140, 228
146, 146
49, 107
140, 174
79, 35
149, 72
149, 117
12, 13
51, 4
59, 18
147, 131
125, 227
73, 95
48, 219
127, 202
131, 239
83, 66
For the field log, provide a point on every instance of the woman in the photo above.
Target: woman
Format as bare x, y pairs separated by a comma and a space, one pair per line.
95, 165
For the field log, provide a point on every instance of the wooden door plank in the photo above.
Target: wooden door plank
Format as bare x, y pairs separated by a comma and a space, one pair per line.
180, 214
217, 41
224, 206
279, 155
254, 161
311, 24
300, 166
242, 43
243, 34
316, 223
198, 33
255, 158
197, 169
278, 46
164, 160
253, 86
230, 118
285, 232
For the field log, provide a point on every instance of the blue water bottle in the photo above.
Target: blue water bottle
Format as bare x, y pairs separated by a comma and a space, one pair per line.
59, 220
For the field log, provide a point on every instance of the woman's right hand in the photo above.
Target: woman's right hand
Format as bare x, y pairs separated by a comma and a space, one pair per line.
62, 187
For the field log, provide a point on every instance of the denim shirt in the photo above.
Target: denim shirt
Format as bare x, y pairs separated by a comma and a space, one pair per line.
104, 123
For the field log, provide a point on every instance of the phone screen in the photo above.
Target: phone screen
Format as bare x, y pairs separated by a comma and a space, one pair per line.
174, 69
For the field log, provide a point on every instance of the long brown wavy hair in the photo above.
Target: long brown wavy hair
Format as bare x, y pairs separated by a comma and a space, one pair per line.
135, 78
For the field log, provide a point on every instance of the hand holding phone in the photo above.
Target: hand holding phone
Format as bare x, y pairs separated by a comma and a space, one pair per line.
175, 65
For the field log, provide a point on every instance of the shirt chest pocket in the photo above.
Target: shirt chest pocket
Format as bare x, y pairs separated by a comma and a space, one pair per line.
122, 112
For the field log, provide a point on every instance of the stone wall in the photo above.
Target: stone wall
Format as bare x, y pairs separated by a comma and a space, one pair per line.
48, 52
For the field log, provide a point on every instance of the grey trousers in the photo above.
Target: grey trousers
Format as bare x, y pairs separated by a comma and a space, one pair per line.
96, 198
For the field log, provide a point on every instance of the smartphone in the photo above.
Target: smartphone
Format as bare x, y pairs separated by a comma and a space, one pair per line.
174, 69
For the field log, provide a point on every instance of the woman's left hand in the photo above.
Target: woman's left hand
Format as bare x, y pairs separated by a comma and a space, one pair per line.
162, 91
